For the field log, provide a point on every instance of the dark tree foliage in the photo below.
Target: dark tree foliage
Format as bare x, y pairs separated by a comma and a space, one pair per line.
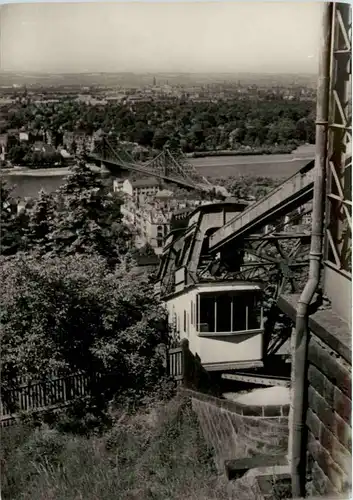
145, 251
40, 223
12, 224
71, 297
189, 125
17, 154
21, 154
81, 217
247, 187
71, 314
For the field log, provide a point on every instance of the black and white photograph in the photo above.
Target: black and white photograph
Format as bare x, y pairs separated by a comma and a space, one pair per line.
176, 250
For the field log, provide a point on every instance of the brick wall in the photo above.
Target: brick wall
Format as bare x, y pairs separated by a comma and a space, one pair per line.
328, 420
236, 431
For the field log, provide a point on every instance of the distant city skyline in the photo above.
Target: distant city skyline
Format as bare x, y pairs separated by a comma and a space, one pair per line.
222, 37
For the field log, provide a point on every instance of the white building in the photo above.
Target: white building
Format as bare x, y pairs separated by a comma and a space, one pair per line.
135, 188
149, 209
23, 137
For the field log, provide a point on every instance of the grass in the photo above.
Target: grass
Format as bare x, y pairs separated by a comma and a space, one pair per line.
281, 488
158, 455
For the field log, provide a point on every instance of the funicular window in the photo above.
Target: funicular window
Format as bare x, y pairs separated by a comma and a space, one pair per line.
224, 313
254, 312
207, 313
239, 313
229, 312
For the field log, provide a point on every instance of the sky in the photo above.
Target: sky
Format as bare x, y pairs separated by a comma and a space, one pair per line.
196, 37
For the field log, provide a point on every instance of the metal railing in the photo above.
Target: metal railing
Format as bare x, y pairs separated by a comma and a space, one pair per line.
289, 195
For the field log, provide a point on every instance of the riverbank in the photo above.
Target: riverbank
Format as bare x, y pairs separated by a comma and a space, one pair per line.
28, 182
227, 152
35, 172
279, 150
200, 162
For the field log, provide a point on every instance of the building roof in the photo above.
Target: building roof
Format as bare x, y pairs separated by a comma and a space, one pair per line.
147, 182
208, 286
164, 193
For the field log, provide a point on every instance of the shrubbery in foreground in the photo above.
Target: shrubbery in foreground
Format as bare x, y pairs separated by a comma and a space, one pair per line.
159, 455
73, 314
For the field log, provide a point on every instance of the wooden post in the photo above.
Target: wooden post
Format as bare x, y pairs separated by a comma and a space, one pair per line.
186, 368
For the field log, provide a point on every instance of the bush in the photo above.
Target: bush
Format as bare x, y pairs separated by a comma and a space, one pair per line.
73, 315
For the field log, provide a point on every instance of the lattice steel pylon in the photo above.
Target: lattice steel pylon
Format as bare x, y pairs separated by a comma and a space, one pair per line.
338, 228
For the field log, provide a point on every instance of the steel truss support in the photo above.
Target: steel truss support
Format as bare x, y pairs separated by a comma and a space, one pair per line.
339, 169
278, 260
276, 256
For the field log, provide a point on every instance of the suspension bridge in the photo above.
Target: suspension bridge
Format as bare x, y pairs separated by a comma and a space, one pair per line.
164, 166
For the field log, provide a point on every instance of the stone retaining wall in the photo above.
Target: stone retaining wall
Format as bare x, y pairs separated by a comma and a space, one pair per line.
328, 421
236, 430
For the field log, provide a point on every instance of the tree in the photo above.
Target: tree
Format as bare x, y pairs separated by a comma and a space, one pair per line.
87, 218
286, 130
17, 154
12, 224
193, 124
82, 217
196, 135
144, 135
145, 251
71, 314
159, 139
305, 129
236, 136
40, 223
37, 159
246, 187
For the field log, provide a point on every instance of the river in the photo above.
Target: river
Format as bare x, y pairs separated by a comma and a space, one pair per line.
28, 182
25, 185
